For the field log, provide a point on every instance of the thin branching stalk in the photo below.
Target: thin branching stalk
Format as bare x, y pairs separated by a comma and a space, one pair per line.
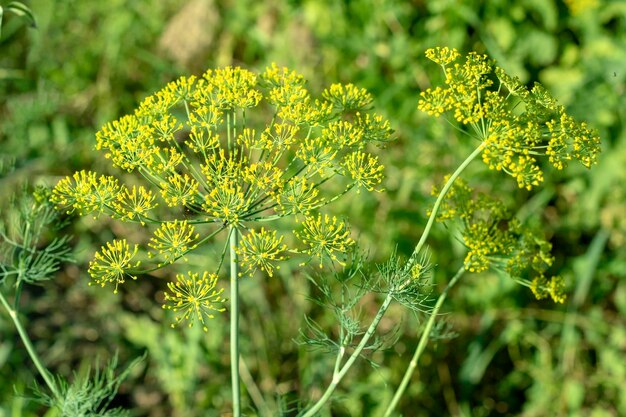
422, 343
30, 348
440, 197
234, 322
338, 376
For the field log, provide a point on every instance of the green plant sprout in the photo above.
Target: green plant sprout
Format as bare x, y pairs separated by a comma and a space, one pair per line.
229, 152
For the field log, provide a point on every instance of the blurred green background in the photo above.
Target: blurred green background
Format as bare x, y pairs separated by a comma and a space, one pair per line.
90, 62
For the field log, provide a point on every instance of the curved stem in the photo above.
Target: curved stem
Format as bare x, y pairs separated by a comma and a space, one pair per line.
338, 376
422, 343
47, 377
440, 197
234, 322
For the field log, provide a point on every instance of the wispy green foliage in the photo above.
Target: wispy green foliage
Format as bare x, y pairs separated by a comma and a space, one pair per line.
30, 250
89, 394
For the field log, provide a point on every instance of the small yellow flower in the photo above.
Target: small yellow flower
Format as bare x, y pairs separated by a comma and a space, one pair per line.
229, 88
261, 250
128, 142
325, 236
279, 137
174, 239
364, 170
86, 192
554, 288
347, 97
134, 203
194, 297
228, 202
342, 134
113, 264
220, 167
374, 126
179, 190
298, 196
442, 56
435, 102
276, 76
264, 177
317, 154
163, 160
182, 89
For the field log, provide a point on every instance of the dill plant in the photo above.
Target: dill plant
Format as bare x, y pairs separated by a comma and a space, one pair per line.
230, 152
513, 127
196, 149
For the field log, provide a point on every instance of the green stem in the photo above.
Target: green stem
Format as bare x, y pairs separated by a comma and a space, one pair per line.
422, 343
234, 322
47, 377
338, 376
440, 197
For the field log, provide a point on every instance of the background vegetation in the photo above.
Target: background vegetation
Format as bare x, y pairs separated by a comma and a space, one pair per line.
90, 62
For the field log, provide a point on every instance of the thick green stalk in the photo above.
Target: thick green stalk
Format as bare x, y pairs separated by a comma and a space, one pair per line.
422, 343
47, 377
234, 322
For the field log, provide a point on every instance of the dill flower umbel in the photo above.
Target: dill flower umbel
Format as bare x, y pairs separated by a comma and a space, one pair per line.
173, 239
517, 125
325, 236
194, 297
495, 239
113, 263
134, 203
223, 151
86, 192
261, 251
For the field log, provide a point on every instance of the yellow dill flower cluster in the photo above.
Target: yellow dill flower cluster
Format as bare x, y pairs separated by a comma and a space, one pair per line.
86, 192
517, 125
226, 151
194, 297
494, 239
113, 263
325, 236
134, 203
261, 250
173, 240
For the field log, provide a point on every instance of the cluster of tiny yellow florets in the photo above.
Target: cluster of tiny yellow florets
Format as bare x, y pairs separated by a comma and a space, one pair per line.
87, 192
113, 264
134, 203
194, 297
261, 250
325, 236
206, 158
514, 135
494, 239
173, 240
